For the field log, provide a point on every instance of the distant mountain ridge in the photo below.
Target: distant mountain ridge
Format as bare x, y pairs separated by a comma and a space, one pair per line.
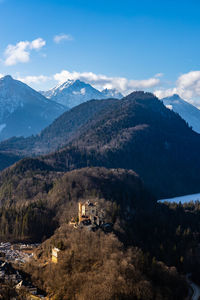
23, 111
74, 92
58, 134
111, 93
187, 111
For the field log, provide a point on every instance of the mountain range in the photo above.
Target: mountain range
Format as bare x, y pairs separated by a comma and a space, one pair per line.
137, 132
23, 111
74, 92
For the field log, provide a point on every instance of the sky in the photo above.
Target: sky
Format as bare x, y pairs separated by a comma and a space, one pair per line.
129, 45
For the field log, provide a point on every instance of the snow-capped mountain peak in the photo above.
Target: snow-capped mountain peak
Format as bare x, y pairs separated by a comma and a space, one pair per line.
187, 111
74, 92
6, 78
65, 85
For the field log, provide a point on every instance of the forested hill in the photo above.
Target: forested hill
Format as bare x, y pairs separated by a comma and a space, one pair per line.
34, 201
137, 132
37, 203
141, 134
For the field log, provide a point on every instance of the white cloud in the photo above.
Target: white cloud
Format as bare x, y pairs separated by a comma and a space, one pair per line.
37, 43
102, 81
162, 93
99, 81
187, 86
21, 51
1, 75
34, 79
17, 53
159, 75
62, 37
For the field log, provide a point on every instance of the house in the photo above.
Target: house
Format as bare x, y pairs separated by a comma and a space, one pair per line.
54, 256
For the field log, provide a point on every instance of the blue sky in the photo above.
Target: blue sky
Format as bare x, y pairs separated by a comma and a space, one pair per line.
151, 45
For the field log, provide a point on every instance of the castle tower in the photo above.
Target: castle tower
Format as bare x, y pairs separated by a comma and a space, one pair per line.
54, 255
80, 211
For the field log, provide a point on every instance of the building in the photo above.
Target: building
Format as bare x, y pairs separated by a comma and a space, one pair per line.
87, 211
90, 213
54, 256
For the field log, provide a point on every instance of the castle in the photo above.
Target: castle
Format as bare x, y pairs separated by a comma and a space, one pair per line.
89, 213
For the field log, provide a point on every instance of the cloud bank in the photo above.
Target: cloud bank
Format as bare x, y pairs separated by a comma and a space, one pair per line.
101, 81
187, 86
20, 53
34, 79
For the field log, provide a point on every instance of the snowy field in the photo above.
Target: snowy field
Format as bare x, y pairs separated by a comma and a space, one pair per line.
183, 199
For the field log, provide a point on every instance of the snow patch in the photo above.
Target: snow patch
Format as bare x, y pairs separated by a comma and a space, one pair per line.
2, 126
169, 107
81, 92
183, 199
